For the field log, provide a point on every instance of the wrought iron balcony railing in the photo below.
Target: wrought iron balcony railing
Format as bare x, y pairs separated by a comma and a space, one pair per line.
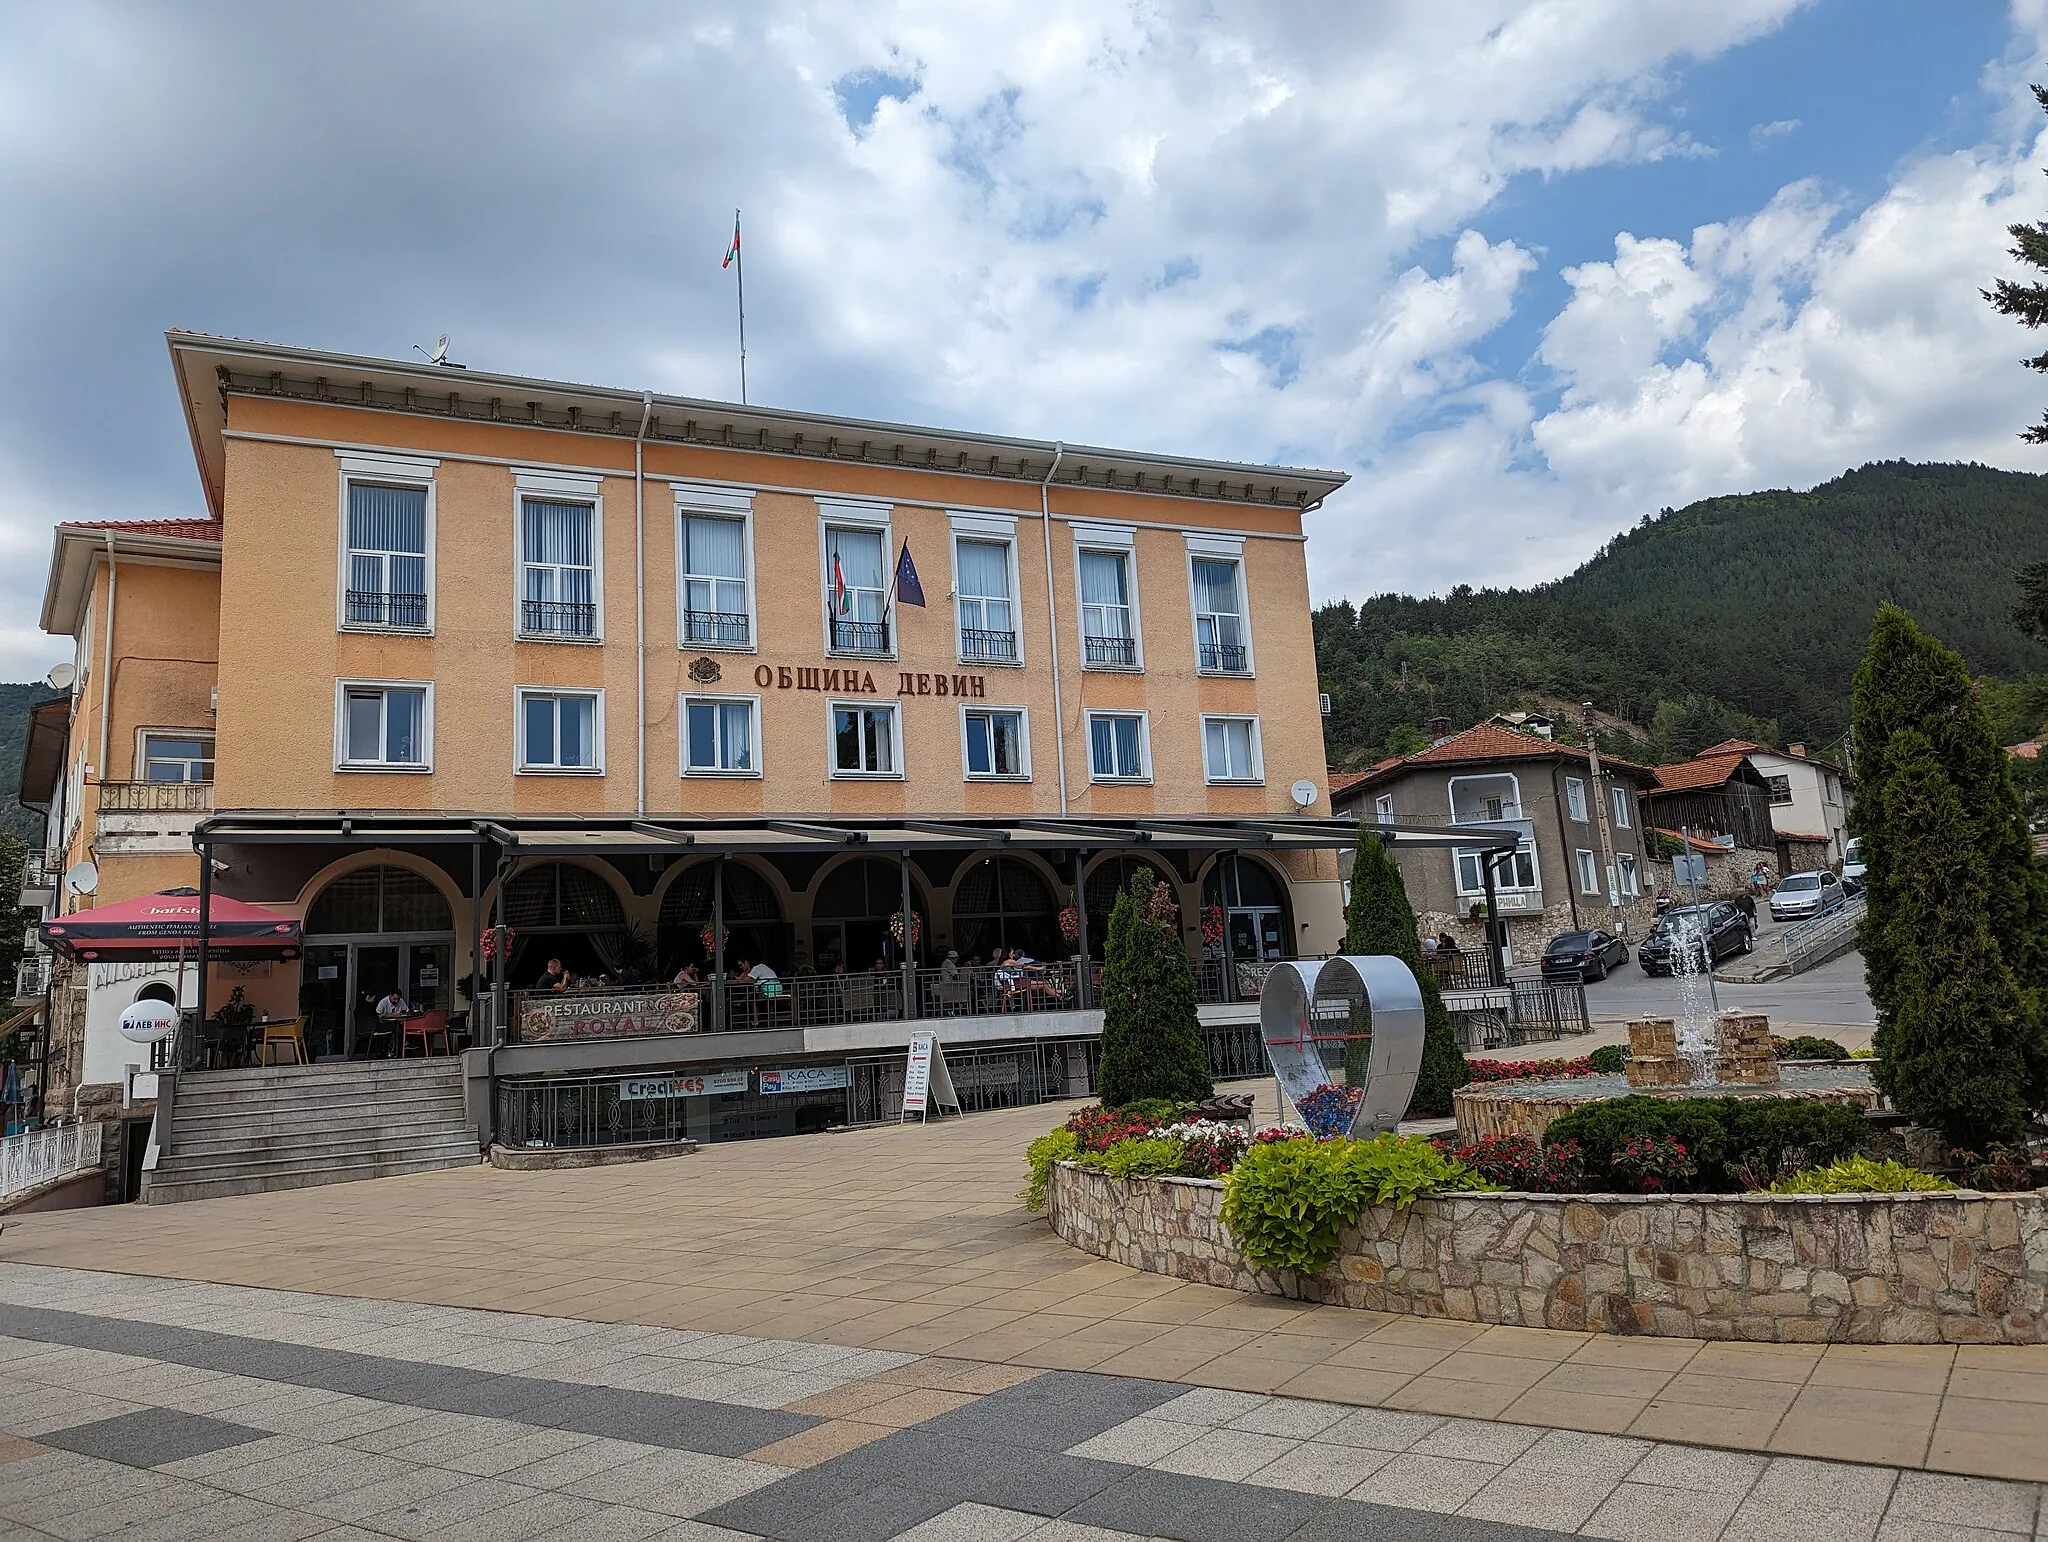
1114, 652
859, 636
373, 607
979, 647
1222, 658
156, 797
557, 618
716, 628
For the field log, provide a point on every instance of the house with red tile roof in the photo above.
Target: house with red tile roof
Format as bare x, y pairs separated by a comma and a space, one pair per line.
1557, 879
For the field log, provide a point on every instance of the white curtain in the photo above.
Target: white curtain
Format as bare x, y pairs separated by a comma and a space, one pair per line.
1105, 596
860, 556
1216, 587
715, 565
555, 541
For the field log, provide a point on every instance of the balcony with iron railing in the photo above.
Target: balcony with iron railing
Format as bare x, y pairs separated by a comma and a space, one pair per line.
983, 647
1222, 659
373, 607
558, 618
31, 976
156, 797
1110, 652
717, 628
859, 637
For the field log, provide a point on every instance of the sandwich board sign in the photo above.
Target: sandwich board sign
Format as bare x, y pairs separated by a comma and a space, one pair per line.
927, 1084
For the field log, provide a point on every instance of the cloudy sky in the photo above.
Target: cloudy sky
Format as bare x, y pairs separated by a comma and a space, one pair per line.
1527, 270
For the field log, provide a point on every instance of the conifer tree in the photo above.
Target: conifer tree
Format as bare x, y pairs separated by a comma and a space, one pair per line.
1910, 685
1380, 920
1953, 1043
1151, 1035
2027, 303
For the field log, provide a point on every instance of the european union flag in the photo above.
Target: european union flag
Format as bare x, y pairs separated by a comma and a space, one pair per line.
908, 589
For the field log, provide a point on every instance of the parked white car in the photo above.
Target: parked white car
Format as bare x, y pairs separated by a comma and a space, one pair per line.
1802, 895
1852, 860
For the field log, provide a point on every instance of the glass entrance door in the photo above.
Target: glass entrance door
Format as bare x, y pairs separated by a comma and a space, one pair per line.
378, 970
324, 998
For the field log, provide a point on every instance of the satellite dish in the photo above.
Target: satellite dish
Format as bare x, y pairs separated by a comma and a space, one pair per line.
60, 677
440, 353
1304, 792
148, 1022
82, 878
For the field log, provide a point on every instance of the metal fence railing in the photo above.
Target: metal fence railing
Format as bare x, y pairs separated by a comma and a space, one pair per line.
31, 976
1522, 1011
36, 1157
1807, 941
156, 797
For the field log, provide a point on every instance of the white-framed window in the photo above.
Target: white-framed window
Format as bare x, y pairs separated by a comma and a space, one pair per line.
721, 735
561, 733
1627, 863
1222, 636
1109, 603
1617, 798
384, 579
1383, 808
561, 575
995, 746
1589, 872
856, 589
984, 594
1575, 799
866, 739
1230, 749
175, 755
1117, 751
715, 554
1512, 874
383, 725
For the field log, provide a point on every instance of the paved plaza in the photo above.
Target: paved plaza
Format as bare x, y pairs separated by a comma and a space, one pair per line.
863, 1335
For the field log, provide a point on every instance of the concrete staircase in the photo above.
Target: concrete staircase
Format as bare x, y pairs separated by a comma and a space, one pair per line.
291, 1127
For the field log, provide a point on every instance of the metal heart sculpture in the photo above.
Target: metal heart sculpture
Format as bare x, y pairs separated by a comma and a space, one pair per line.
1288, 1025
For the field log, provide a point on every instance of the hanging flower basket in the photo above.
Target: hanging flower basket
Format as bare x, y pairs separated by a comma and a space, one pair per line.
916, 927
1212, 926
711, 940
1070, 924
497, 940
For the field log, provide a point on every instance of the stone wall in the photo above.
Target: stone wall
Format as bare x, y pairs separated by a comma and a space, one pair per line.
1955, 1267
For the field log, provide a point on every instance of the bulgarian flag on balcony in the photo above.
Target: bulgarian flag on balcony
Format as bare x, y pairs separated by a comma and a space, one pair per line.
842, 601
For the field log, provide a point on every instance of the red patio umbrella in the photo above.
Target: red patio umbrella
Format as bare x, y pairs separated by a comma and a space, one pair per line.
163, 928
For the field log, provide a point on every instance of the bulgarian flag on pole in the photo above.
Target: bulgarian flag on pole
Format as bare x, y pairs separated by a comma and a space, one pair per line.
732, 252
842, 601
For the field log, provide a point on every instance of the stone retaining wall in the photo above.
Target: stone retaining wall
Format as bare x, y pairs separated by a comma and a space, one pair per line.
1955, 1267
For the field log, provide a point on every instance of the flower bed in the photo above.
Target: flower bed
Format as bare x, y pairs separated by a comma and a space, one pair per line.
1906, 1268
1484, 1071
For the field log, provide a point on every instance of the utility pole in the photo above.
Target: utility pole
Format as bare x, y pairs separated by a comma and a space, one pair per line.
1609, 871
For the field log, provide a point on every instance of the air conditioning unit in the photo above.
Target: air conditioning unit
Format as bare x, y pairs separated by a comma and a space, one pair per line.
1323, 701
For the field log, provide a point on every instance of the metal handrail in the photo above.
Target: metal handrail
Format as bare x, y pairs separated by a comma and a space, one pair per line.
1804, 937
36, 1157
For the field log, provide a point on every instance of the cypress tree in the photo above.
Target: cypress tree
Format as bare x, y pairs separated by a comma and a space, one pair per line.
1909, 683
1151, 1035
1380, 920
1953, 1045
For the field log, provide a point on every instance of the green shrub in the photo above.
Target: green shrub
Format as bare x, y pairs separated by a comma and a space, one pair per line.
1157, 1110
1287, 1202
1860, 1175
1380, 920
1806, 1046
1058, 1146
1155, 1156
1736, 1142
1610, 1058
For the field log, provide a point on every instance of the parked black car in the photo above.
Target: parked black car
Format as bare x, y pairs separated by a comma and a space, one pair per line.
1726, 931
1583, 956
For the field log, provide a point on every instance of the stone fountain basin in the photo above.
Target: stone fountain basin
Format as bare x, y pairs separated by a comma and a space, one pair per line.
1531, 1107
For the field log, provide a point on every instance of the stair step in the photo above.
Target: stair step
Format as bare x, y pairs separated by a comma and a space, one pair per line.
313, 1141
188, 1170
354, 1107
171, 1189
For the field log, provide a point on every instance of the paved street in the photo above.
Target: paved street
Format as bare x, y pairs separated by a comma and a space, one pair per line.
1830, 995
150, 1409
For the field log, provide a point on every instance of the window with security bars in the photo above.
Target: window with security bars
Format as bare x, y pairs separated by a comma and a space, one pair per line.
988, 628
856, 599
557, 569
1219, 618
715, 582
1109, 634
387, 556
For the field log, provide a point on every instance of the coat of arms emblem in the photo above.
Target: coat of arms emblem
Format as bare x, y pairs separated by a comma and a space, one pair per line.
705, 671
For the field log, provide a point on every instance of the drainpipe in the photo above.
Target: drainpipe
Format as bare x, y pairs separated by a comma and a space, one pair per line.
107, 662
640, 604
1052, 612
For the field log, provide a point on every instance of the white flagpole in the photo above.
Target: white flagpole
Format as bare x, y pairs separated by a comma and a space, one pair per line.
739, 257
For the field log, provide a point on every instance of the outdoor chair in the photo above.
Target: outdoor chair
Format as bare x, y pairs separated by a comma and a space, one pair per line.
857, 995
952, 998
290, 1034
425, 1027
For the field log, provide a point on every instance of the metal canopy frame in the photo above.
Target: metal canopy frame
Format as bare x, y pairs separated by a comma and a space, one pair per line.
626, 835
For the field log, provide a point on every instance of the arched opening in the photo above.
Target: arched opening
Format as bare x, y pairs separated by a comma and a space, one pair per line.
558, 910
156, 990
1002, 903
850, 916
370, 934
1254, 906
1105, 879
754, 926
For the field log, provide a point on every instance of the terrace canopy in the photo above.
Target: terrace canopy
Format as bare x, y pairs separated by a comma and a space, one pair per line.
161, 928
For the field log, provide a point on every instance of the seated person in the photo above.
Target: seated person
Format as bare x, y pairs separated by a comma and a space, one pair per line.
949, 970
553, 978
761, 974
686, 977
392, 1005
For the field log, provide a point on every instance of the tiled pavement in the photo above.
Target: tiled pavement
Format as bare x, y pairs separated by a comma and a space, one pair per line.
158, 1410
909, 1243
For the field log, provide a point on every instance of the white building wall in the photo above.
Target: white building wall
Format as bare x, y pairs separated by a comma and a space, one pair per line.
1811, 811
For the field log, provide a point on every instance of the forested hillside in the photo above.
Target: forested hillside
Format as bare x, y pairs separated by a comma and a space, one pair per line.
15, 701
1741, 614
